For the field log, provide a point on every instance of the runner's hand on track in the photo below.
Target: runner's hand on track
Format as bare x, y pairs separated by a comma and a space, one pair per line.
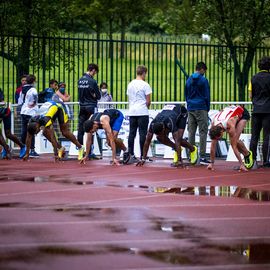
115, 162
177, 164
83, 160
243, 168
210, 167
141, 162
26, 157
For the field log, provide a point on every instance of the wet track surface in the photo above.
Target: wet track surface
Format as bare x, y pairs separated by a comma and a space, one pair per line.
67, 216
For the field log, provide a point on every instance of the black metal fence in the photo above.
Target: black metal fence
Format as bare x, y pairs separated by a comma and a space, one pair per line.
66, 59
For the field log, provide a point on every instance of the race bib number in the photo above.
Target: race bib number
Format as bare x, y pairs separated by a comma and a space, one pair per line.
168, 107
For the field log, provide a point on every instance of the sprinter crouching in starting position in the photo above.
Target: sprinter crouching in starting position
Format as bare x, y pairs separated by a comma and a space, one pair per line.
47, 114
111, 121
172, 119
231, 119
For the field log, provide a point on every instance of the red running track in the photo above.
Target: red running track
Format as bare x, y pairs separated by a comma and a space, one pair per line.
98, 216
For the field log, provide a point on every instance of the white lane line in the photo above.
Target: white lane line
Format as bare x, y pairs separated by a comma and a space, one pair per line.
89, 176
115, 176
132, 241
51, 190
85, 204
124, 221
207, 267
205, 177
9, 182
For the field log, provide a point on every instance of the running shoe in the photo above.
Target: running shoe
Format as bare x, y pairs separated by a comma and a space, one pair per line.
93, 157
22, 151
133, 160
126, 157
33, 154
175, 157
61, 152
248, 160
4, 153
81, 153
194, 155
204, 161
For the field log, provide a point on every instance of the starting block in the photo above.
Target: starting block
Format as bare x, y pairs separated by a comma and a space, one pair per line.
42, 145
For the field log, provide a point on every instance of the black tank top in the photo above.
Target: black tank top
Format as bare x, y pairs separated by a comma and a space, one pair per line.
112, 113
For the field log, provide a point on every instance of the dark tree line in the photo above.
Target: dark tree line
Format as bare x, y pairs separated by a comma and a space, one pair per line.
230, 22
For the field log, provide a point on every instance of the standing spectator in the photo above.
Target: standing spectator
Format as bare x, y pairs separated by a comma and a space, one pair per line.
197, 94
62, 96
260, 95
17, 120
139, 97
19, 89
89, 95
105, 96
28, 100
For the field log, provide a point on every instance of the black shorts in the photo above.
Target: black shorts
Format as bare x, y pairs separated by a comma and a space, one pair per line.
245, 115
182, 118
6, 118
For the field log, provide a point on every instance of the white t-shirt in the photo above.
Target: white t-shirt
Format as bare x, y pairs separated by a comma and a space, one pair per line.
137, 91
30, 106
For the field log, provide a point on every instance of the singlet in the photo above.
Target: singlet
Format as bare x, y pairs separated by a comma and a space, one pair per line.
226, 114
112, 113
51, 110
169, 116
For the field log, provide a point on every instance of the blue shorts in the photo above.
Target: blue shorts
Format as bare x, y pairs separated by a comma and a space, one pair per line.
116, 125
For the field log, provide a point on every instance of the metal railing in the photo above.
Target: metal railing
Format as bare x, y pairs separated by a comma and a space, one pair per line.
67, 58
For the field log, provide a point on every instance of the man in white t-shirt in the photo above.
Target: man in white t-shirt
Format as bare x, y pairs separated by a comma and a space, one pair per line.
139, 97
28, 99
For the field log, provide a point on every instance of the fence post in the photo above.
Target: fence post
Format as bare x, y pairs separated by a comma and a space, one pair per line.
43, 62
175, 71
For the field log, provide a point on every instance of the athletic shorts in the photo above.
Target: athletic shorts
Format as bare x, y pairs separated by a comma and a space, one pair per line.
182, 118
6, 118
116, 125
56, 112
245, 115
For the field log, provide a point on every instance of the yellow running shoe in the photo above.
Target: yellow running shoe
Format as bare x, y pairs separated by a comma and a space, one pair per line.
80, 153
61, 152
248, 160
175, 157
194, 155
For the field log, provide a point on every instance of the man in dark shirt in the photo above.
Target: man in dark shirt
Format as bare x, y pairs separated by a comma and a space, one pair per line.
172, 119
89, 95
259, 90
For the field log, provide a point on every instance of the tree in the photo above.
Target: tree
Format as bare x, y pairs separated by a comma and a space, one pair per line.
176, 17
236, 23
25, 19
